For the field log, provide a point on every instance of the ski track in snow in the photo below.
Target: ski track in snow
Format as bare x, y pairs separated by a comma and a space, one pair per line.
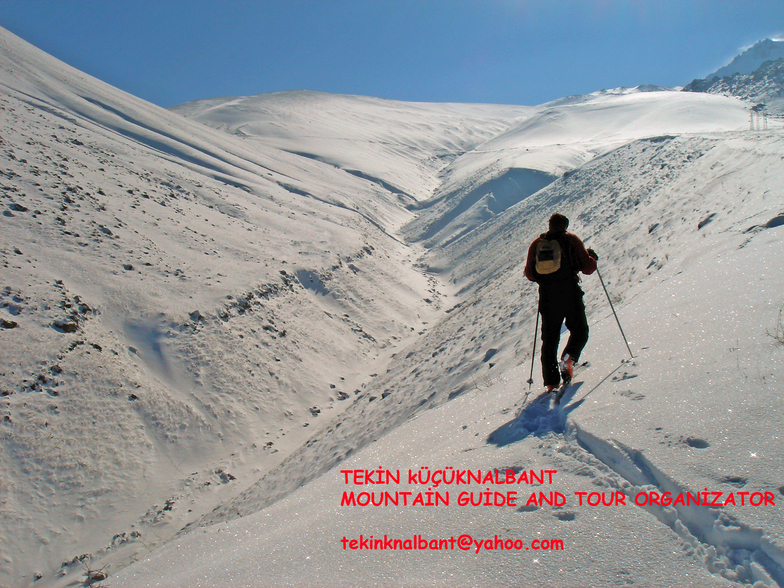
728, 548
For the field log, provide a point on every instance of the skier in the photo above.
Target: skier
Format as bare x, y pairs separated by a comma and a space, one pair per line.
554, 260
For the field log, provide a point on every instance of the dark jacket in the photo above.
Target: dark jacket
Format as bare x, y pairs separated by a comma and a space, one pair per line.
578, 256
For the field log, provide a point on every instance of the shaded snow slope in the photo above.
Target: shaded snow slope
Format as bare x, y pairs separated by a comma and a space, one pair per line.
689, 232
44, 83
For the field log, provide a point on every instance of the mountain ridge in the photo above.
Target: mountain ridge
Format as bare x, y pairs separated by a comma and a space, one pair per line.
764, 87
751, 59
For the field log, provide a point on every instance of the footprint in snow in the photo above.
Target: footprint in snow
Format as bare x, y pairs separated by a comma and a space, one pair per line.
737, 481
631, 395
696, 443
625, 376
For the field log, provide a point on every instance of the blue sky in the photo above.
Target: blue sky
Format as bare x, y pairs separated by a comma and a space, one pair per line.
497, 51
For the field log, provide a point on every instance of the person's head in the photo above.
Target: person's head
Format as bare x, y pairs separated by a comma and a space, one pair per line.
558, 222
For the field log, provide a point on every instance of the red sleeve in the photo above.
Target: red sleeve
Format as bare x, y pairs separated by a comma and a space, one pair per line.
587, 264
530, 262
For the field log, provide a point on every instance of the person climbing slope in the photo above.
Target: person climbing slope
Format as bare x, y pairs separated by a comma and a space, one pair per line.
554, 260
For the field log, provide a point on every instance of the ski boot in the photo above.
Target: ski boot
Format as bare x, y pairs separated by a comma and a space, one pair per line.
566, 367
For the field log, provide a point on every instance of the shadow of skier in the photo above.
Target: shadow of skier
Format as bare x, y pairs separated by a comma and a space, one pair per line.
535, 418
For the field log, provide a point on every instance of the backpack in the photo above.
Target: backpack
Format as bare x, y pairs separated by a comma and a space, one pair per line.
552, 262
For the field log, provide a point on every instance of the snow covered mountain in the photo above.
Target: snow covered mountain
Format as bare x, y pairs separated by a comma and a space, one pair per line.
751, 59
764, 86
208, 314
756, 75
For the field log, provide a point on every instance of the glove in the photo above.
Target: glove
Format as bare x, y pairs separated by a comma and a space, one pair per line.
592, 253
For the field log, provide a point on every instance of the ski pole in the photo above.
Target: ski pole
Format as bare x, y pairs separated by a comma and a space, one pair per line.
614, 313
533, 351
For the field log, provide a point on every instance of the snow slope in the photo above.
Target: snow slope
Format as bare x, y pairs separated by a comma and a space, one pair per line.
458, 164
201, 327
695, 410
559, 138
400, 145
180, 311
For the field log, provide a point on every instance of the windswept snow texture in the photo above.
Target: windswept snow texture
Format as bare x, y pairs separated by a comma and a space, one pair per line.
205, 325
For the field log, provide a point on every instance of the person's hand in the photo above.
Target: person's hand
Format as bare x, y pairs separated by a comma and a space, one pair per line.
592, 253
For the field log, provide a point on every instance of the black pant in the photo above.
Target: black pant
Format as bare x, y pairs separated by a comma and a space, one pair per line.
559, 302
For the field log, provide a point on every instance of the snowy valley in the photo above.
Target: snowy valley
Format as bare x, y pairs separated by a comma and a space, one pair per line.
210, 312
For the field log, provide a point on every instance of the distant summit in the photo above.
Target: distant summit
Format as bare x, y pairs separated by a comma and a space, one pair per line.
763, 86
756, 76
751, 59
